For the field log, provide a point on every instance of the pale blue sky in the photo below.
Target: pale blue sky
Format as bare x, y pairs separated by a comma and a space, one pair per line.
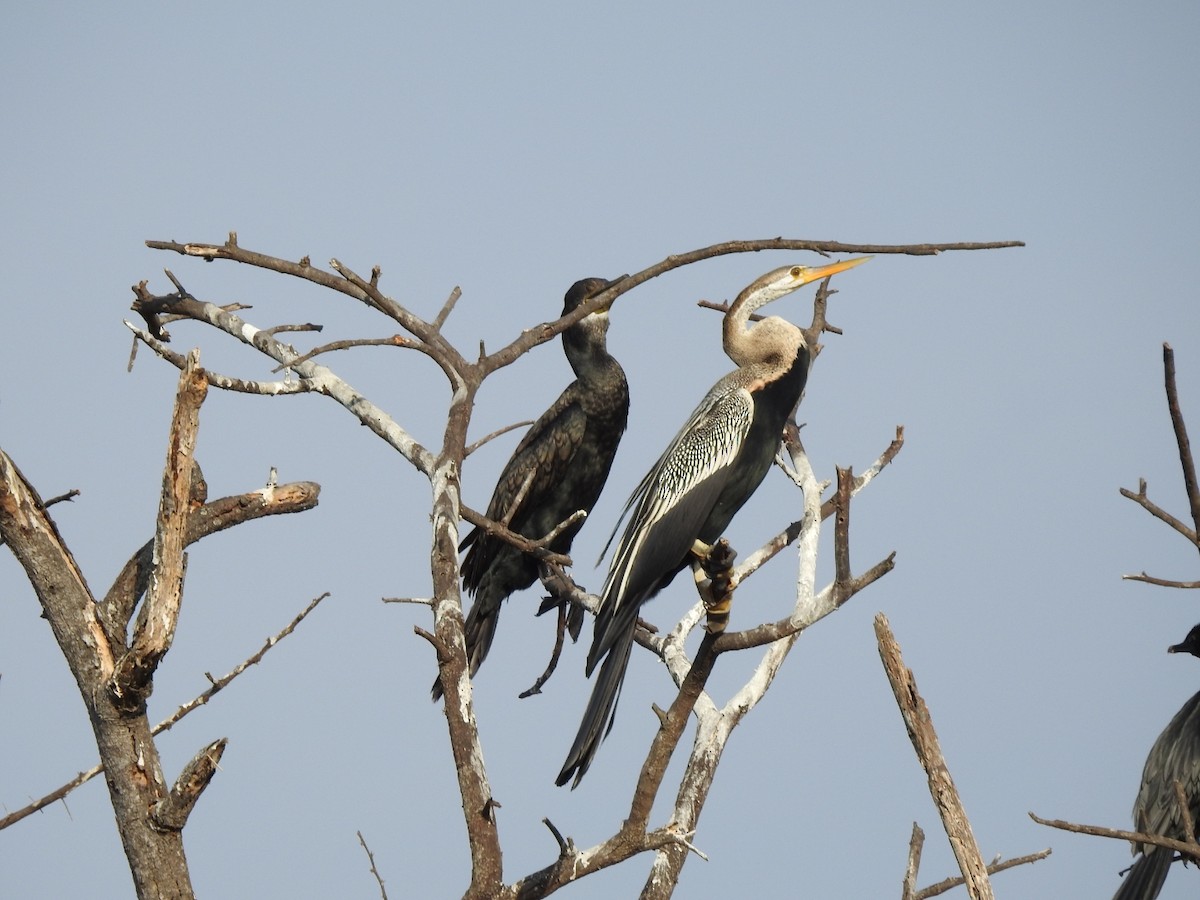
511, 150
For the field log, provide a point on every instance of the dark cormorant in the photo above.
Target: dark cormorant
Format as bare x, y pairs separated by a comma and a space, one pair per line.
709, 470
568, 452
1175, 756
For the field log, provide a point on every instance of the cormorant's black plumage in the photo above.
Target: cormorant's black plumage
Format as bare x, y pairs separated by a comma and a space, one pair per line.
1175, 756
570, 450
710, 469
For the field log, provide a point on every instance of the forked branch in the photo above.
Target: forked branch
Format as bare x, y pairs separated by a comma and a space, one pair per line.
1188, 467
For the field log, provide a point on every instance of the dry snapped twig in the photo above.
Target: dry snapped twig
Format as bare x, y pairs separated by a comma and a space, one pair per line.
941, 786
915, 845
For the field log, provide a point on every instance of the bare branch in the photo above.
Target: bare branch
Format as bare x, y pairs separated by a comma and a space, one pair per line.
61, 498
371, 860
192, 705
506, 519
218, 380
1181, 439
565, 845
252, 660
941, 786
534, 336
292, 328
396, 340
950, 883
69, 495
319, 377
1135, 837
1143, 501
915, 844
172, 811
1185, 811
1162, 582
841, 529
665, 740
155, 629
495, 434
444, 313
535, 548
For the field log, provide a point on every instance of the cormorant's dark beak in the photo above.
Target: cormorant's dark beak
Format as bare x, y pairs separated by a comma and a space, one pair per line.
605, 307
1177, 648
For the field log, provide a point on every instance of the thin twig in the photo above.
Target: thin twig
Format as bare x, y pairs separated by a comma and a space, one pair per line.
254, 660
371, 858
190, 706
440, 319
506, 521
396, 340
1158, 512
69, 495
950, 883
495, 434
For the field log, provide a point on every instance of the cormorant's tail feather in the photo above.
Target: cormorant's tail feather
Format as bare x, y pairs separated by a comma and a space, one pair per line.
479, 630
1147, 876
600, 713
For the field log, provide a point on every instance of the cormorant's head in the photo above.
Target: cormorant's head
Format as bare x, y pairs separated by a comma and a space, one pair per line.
1191, 643
585, 338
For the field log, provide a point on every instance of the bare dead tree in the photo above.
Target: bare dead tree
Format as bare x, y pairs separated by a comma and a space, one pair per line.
125, 668
113, 656
1188, 849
